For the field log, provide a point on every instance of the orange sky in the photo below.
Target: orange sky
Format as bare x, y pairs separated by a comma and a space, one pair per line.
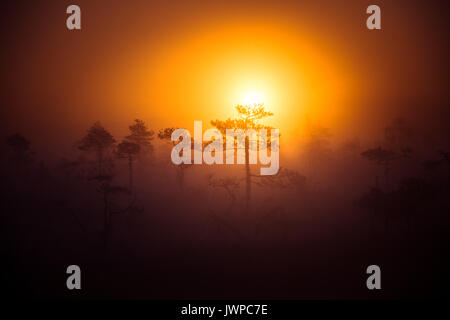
314, 62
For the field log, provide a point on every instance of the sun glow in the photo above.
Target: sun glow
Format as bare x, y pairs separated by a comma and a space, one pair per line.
252, 97
207, 73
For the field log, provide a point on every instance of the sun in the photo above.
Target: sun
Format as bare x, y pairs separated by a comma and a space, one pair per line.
252, 97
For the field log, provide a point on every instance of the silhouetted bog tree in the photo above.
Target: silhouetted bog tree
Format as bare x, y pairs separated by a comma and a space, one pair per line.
381, 157
108, 192
20, 147
97, 140
166, 135
412, 199
384, 158
141, 135
129, 150
248, 119
18, 143
229, 184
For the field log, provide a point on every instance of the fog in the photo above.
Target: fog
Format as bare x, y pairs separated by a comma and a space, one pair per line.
364, 149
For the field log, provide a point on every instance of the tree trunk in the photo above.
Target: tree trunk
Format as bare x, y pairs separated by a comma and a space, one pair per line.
105, 221
386, 175
130, 166
247, 173
100, 161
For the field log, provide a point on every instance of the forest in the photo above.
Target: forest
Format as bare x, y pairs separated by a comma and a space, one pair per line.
140, 226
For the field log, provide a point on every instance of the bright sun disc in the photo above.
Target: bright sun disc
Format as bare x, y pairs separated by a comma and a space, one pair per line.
253, 97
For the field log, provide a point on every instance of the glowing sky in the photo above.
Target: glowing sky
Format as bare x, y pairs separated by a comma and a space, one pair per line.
170, 63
